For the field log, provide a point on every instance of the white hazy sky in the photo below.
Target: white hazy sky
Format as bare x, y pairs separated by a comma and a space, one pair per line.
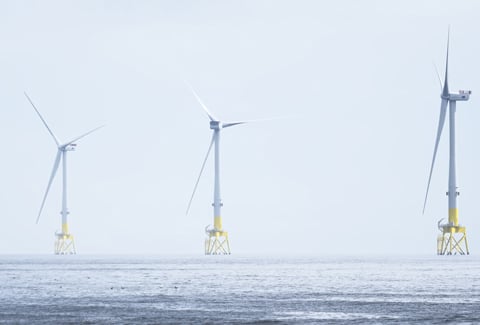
345, 173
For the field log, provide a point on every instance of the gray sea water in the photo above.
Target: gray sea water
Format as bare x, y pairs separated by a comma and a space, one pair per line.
231, 289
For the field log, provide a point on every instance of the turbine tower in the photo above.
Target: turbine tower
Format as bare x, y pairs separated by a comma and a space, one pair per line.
216, 242
64, 243
453, 237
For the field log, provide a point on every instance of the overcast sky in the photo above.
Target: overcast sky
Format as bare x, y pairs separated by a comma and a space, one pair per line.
344, 173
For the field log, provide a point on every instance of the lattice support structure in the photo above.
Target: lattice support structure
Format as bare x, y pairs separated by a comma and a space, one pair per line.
64, 245
452, 241
217, 243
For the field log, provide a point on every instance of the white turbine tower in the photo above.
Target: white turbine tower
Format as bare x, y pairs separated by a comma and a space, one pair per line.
216, 242
64, 243
453, 237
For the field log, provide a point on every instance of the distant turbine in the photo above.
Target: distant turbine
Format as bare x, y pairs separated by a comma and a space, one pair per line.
216, 242
453, 238
64, 243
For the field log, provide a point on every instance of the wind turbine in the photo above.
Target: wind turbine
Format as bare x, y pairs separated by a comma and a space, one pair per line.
216, 242
64, 243
453, 237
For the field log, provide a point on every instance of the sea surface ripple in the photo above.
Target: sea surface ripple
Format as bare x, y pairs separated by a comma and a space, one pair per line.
239, 290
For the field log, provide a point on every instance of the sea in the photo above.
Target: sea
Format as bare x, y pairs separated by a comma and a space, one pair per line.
239, 290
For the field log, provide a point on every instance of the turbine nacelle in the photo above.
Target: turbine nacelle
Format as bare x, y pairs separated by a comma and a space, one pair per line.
68, 147
216, 125
462, 95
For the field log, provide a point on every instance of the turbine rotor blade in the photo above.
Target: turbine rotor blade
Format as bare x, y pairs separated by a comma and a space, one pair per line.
210, 115
441, 122
43, 120
445, 84
201, 171
438, 76
82, 136
52, 176
228, 124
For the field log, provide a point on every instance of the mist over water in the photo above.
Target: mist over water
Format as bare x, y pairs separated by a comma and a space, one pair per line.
232, 289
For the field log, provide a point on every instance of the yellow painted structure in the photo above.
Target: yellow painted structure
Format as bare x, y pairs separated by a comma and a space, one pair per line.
453, 216
64, 244
217, 222
217, 242
65, 228
453, 239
